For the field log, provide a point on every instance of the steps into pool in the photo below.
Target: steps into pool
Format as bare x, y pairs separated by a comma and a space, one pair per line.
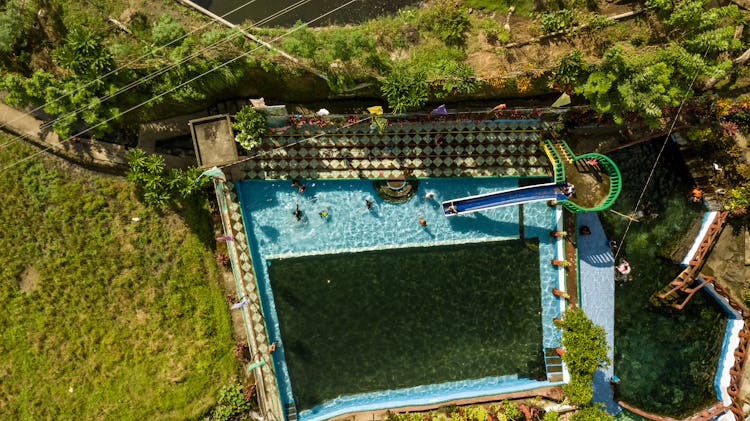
291, 411
553, 362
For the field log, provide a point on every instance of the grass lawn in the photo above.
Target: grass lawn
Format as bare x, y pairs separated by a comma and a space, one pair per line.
103, 317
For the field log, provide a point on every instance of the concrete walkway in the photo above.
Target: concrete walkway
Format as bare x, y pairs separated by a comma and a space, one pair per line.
84, 151
596, 266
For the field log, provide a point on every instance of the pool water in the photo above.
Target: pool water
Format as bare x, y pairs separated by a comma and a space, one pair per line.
349, 225
376, 320
384, 251
666, 359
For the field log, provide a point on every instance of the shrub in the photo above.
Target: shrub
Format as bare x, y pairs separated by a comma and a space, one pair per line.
15, 23
84, 54
556, 20
511, 410
585, 344
585, 350
251, 125
591, 413
550, 416
405, 88
493, 31
448, 20
476, 413
570, 71
166, 30
739, 201
231, 403
158, 186
579, 390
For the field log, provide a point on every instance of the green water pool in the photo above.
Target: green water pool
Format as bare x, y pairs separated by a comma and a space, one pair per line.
387, 319
666, 359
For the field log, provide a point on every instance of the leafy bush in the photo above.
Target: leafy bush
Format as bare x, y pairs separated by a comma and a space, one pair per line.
585, 350
511, 410
158, 186
166, 30
405, 88
569, 72
15, 23
84, 54
231, 403
493, 31
585, 344
579, 391
447, 19
251, 125
302, 42
476, 413
739, 200
556, 20
550, 416
591, 413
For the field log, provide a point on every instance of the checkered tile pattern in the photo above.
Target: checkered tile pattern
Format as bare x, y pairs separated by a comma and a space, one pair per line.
421, 149
243, 269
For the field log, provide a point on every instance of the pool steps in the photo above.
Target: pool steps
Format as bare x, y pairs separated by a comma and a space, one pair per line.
554, 365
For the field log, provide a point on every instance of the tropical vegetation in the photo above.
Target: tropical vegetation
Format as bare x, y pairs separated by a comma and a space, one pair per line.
585, 346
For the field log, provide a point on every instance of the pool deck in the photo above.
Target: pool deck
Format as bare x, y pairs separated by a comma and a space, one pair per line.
471, 145
596, 271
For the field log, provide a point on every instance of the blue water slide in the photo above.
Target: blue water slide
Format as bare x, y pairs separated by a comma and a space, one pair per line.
497, 199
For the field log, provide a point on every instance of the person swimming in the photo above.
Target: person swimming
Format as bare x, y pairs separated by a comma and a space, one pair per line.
296, 212
422, 221
368, 203
323, 214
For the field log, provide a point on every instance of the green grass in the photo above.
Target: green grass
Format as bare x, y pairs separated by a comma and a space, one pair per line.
524, 7
120, 319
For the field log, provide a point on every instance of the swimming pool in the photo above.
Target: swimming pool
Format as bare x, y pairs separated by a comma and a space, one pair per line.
350, 226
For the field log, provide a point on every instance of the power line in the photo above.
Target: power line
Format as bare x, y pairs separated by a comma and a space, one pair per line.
86, 85
226, 63
154, 74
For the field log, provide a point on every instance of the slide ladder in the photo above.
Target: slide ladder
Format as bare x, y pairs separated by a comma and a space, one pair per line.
565, 150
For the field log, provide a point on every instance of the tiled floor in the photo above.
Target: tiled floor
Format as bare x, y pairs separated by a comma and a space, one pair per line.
596, 265
421, 149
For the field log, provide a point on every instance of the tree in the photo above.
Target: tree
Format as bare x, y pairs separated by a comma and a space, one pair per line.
15, 24
166, 30
251, 125
84, 54
160, 187
585, 350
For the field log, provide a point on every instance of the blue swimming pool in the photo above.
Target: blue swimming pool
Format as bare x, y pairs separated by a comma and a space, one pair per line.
349, 226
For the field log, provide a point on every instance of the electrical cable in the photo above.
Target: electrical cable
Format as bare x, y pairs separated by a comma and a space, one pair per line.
111, 72
226, 63
156, 73
658, 156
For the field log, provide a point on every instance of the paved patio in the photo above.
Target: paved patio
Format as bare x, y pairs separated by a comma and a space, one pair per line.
596, 266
